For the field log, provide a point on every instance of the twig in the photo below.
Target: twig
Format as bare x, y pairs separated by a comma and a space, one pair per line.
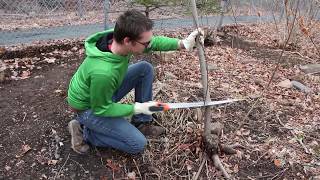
85, 171
135, 163
176, 148
25, 114
256, 161
310, 60
315, 46
207, 171
160, 125
99, 154
306, 57
281, 94
218, 165
204, 159
62, 167
298, 139
281, 172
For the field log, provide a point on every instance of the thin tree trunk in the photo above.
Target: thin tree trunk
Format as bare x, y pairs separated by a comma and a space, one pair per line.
211, 130
204, 73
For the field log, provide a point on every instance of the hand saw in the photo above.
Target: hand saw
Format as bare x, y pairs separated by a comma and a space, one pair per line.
169, 106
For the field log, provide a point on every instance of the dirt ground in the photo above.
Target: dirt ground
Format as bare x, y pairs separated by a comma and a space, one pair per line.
35, 143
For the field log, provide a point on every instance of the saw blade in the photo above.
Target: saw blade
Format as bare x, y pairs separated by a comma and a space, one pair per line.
200, 104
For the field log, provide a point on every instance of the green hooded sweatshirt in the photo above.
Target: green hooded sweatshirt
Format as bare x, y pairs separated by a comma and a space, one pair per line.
102, 73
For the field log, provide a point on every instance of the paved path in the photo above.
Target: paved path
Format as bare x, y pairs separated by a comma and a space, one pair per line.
16, 37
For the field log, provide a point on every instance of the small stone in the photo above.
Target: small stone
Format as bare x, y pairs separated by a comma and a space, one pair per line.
33, 164
74, 49
20, 163
310, 68
131, 175
301, 87
285, 84
212, 67
58, 91
50, 60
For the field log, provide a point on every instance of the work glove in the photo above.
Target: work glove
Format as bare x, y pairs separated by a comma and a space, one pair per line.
143, 108
190, 41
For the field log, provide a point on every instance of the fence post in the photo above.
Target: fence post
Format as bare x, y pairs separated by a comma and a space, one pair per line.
105, 11
223, 5
80, 8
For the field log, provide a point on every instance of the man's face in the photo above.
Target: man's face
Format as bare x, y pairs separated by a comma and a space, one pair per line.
138, 46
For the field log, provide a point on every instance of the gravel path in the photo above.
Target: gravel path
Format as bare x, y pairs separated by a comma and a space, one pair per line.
76, 31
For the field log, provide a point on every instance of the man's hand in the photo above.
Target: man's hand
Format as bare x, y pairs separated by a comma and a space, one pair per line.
143, 108
190, 41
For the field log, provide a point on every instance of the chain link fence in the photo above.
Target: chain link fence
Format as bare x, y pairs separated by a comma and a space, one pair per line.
26, 14
51, 19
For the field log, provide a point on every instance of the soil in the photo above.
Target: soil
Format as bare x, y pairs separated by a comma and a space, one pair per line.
31, 110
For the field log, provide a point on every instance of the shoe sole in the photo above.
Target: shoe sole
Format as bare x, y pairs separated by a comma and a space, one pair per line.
73, 131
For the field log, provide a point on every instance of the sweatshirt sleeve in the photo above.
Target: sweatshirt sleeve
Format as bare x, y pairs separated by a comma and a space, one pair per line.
162, 43
102, 88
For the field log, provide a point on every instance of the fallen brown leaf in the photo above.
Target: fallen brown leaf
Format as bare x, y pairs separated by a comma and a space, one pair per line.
278, 162
52, 162
112, 165
25, 148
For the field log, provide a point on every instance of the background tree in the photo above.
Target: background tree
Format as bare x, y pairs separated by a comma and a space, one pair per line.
151, 5
204, 7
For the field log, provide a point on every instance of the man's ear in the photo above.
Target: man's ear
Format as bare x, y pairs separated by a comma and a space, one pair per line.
126, 41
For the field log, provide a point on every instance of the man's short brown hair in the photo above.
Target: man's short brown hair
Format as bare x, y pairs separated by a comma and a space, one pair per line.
131, 24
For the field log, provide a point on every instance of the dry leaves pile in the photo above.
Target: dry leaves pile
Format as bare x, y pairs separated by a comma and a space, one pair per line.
273, 35
20, 61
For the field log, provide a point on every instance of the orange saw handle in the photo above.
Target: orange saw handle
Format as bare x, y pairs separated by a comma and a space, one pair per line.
159, 107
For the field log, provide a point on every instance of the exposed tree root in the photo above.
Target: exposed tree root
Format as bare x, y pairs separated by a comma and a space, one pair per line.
218, 165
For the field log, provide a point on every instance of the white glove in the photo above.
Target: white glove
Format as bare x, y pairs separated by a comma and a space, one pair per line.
143, 108
190, 41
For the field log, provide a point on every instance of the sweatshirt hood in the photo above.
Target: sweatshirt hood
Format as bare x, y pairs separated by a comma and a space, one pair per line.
93, 52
